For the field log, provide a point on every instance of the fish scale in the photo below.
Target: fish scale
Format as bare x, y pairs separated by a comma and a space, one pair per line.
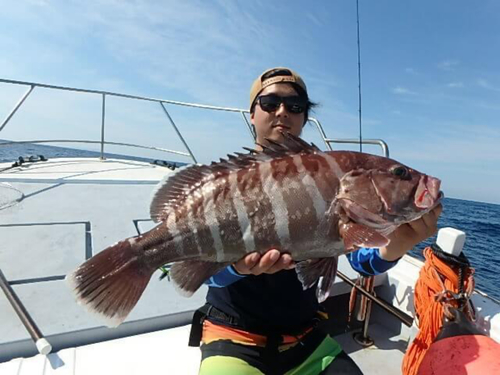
294, 197
243, 214
270, 186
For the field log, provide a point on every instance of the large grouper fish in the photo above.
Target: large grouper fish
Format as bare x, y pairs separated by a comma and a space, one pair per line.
290, 196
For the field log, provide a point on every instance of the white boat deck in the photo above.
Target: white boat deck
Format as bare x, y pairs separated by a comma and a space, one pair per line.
163, 352
73, 208
166, 352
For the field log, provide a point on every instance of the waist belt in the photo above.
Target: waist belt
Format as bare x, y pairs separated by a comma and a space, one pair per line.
216, 315
207, 311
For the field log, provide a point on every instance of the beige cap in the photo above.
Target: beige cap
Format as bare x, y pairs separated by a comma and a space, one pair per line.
259, 85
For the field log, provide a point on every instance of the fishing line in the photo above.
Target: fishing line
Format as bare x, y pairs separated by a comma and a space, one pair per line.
6, 199
359, 80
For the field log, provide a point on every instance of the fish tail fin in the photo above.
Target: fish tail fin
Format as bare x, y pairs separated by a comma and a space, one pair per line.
110, 283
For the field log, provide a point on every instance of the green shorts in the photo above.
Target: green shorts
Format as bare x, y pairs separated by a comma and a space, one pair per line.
224, 357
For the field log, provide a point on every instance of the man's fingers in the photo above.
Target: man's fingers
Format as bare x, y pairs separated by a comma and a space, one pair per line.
424, 227
432, 217
406, 236
284, 262
251, 260
244, 266
418, 226
430, 221
268, 260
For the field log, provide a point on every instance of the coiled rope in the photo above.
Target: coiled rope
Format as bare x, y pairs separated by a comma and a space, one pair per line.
445, 281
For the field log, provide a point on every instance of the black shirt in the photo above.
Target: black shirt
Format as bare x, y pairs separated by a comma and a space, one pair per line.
268, 302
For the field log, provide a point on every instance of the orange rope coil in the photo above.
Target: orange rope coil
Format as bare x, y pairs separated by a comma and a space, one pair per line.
435, 291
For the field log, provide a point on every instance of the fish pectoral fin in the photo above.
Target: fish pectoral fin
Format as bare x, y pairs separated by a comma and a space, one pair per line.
189, 275
322, 269
357, 235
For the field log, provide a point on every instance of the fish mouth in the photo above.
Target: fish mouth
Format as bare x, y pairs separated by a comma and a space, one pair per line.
428, 195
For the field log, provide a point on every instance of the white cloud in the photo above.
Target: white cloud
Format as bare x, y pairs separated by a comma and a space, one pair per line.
457, 144
314, 19
487, 85
403, 91
455, 84
448, 64
194, 47
490, 106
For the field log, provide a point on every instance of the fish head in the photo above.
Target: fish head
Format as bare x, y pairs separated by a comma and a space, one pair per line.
382, 193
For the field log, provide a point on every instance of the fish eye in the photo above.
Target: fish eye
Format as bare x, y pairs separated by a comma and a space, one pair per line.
400, 172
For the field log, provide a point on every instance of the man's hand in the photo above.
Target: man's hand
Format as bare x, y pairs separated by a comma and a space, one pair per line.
270, 262
404, 238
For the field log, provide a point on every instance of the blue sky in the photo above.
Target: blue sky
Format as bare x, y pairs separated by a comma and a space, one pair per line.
430, 74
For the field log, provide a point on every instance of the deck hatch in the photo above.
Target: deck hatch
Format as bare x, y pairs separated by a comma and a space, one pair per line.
60, 248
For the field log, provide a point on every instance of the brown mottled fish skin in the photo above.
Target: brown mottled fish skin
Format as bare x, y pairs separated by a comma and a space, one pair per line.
293, 197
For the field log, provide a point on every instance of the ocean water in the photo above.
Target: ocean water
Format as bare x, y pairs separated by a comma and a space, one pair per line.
480, 221
11, 153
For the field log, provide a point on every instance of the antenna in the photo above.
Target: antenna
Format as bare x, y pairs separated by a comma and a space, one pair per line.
359, 81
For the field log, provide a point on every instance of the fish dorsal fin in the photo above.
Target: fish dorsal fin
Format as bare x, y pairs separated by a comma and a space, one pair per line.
291, 145
174, 188
172, 191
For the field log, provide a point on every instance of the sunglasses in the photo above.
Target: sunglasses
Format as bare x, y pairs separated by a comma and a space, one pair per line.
271, 103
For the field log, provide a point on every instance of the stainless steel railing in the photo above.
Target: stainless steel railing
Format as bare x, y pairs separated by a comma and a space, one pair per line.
104, 94
328, 141
162, 102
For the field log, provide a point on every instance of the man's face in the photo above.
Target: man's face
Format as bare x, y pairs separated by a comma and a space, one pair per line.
269, 124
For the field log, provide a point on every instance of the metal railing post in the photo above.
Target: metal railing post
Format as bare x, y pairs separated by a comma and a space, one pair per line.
178, 132
379, 142
102, 124
250, 127
321, 132
16, 107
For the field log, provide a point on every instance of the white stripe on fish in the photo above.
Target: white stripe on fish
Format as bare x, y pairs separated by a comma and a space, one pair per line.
310, 185
271, 189
174, 232
243, 219
213, 224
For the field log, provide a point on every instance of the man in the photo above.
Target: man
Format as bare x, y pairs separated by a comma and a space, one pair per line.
259, 320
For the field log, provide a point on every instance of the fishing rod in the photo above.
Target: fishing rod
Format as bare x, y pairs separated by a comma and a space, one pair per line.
42, 345
359, 80
404, 317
